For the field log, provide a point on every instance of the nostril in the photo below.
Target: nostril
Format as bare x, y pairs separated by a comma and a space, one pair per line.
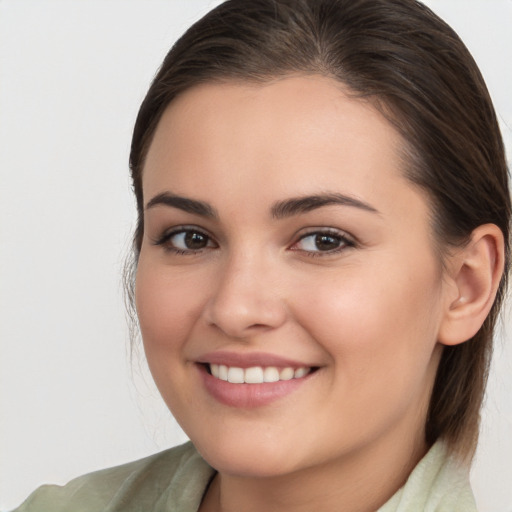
259, 326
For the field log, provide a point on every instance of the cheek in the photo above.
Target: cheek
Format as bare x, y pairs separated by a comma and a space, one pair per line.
379, 327
382, 345
166, 308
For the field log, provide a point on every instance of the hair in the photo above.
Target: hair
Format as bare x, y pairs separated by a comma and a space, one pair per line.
417, 72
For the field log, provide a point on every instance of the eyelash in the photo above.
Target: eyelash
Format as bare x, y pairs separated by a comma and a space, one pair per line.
344, 241
165, 240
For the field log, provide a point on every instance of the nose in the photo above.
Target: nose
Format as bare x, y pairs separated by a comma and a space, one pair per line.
247, 299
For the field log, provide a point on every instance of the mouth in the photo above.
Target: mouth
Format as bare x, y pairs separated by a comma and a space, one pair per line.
249, 381
256, 374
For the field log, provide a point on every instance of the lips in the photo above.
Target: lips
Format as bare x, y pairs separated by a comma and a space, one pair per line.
251, 380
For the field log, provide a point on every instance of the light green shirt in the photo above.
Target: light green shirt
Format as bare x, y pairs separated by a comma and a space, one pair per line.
176, 479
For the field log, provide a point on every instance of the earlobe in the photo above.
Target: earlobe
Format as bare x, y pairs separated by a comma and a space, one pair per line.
476, 272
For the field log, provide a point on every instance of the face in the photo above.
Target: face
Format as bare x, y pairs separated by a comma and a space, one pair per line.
288, 291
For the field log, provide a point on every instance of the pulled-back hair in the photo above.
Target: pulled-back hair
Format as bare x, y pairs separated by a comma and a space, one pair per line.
420, 76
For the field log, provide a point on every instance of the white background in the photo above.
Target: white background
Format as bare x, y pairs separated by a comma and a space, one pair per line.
72, 75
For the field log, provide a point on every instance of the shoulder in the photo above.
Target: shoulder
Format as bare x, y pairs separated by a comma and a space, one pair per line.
172, 476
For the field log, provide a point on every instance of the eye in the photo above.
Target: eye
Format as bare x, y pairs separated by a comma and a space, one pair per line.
322, 242
184, 241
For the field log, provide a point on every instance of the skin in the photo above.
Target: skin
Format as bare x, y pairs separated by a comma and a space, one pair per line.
367, 314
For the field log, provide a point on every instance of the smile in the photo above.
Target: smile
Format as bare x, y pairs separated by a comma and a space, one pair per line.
256, 374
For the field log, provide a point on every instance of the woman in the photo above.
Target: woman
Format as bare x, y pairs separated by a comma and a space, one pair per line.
320, 256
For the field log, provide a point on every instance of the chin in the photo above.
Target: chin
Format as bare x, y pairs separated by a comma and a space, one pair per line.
243, 459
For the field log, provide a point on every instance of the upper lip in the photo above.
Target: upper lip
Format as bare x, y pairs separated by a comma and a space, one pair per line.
247, 360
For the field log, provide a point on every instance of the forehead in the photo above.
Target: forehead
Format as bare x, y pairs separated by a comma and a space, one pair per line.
282, 138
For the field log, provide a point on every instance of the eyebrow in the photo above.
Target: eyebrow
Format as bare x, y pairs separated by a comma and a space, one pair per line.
279, 210
305, 204
183, 203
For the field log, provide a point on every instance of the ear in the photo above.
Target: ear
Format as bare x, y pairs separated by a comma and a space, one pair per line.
474, 275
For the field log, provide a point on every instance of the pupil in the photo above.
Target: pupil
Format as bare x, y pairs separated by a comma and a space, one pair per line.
195, 240
326, 242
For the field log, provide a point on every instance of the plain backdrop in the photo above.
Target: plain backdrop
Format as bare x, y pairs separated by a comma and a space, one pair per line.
72, 75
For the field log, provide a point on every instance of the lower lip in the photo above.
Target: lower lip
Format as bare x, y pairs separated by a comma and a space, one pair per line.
248, 396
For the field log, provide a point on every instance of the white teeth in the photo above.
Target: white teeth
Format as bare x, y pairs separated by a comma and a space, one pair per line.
271, 374
223, 372
286, 374
256, 374
236, 375
300, 372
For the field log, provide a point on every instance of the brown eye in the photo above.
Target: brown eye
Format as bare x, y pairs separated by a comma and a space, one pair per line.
323, 242
194, 241
185, 241
327, 242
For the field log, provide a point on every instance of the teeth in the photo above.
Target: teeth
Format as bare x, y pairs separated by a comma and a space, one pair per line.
236, 375
286, 374
300, 372
223, 372
256, 374
270, 374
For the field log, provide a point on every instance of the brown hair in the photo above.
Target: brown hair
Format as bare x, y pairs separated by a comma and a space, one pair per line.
419, 74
